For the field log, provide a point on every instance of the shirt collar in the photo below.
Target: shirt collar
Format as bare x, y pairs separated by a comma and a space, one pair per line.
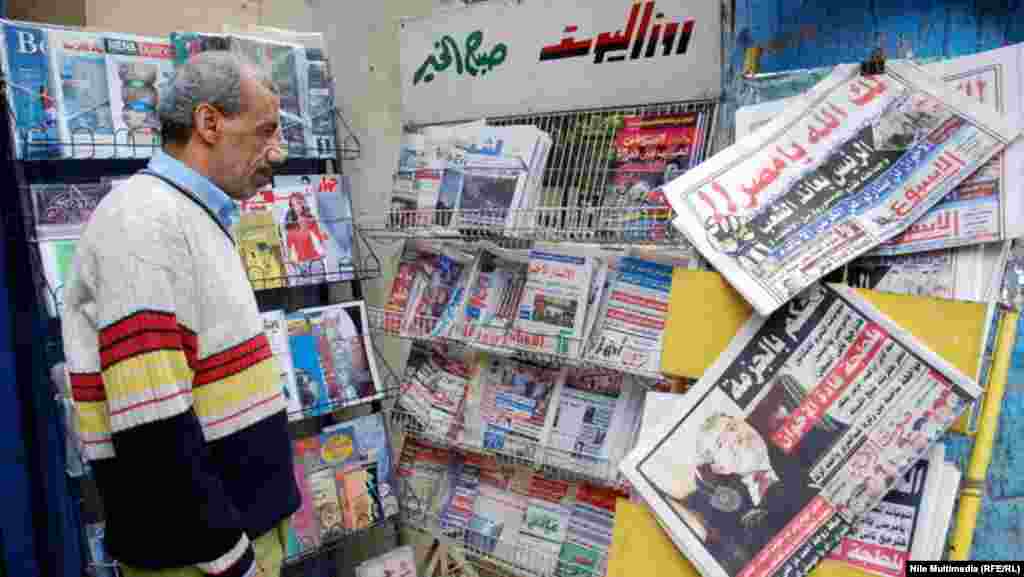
215, 199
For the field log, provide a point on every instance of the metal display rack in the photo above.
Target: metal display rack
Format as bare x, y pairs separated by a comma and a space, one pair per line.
573, 204
572, 207
84, 158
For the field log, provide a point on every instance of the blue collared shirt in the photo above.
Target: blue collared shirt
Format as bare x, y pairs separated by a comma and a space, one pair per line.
215, 199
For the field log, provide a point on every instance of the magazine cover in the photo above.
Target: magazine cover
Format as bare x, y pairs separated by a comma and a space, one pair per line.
650, 151
334, 200
326, 504
312, 254
61, 210
85, 122
284, 63
347, 362
854, 163
276, 327
259, 243
57, 258
799, 428
309, 377
322, 134
138, 69
400, 562
31, 91
357, 506
304, 529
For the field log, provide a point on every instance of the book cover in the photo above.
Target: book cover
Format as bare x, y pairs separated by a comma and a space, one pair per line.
32, 91
138, 69
276, 327
85, 122
309, 377
325, 502
61, 210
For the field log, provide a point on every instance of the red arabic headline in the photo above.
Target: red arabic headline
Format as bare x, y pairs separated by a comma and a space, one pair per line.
814, 406
638, 300
634, 319
792, 536
827, 118
885, 560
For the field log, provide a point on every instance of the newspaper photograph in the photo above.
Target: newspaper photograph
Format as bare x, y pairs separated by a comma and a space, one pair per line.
806, 421
852, 164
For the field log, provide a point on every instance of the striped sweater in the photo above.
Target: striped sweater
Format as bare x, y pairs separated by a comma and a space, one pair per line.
177, 396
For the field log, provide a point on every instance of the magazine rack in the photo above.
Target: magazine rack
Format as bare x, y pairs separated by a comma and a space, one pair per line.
573, 205
91, 161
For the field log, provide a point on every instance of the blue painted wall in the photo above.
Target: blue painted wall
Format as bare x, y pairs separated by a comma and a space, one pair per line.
802, 34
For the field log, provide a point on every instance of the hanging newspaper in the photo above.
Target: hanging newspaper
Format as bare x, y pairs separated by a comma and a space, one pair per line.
800, 427
851, 164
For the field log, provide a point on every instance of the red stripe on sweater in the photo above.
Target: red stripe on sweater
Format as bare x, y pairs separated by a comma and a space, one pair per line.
140, 321
140, 343
87, 387
232, 368
247, 347
241, 412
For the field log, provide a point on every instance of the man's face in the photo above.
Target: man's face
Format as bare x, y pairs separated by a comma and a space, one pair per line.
241, 160
740, 449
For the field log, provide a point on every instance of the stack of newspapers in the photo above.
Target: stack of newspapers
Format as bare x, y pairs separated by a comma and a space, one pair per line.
814, 434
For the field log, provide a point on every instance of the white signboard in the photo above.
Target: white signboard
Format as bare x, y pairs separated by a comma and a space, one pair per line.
549, 55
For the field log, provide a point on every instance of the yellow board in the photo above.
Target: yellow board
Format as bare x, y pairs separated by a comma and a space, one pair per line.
705, 313
641, 547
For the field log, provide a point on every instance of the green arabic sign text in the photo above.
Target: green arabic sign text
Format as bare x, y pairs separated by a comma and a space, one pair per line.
467, 60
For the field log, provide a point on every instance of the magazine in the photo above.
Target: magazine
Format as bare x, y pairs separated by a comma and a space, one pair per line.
799, 428
345, 355
31, 91
304, 526
360, 453
553, 306
859, 160
84, 119
284, 62
400, 562
276, 327
57, 257
650, 151
259, 243
322, 134
61, 210
325, 502
309, 376
317, 249
517, 405
138, 69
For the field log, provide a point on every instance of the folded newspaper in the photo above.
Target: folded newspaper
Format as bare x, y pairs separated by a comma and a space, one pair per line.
803, 425
850, 165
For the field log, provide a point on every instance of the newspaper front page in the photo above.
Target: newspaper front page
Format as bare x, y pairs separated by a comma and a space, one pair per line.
852, 164
807, 420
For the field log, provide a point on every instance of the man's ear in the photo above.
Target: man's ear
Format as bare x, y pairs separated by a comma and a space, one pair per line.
208, 122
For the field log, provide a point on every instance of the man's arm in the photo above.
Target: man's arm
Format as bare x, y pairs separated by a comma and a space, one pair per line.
144, 291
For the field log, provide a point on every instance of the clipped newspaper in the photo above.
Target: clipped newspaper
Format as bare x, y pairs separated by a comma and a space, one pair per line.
806, 421
852, 164
981, 208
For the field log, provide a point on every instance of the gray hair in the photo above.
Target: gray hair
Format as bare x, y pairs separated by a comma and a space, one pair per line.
213, 77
